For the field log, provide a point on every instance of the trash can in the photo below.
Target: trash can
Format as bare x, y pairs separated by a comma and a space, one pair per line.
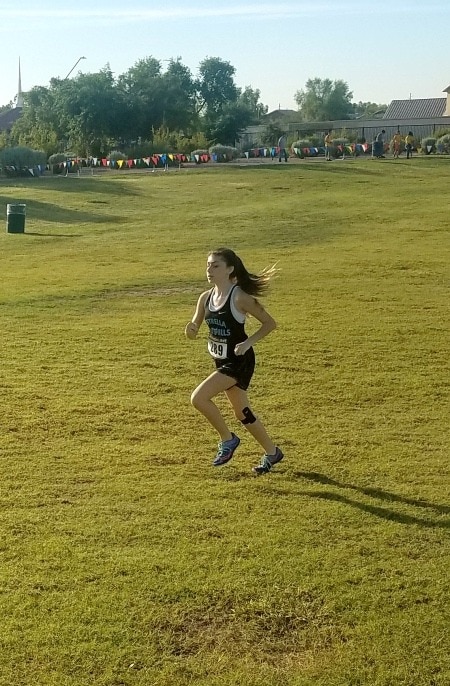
377, 148
15, 218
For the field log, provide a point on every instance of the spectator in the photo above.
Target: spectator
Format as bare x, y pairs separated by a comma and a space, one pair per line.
409, 143
282, 148
378, 145
328, 140
396, 141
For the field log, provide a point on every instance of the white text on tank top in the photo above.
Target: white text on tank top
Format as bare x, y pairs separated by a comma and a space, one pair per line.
224, 326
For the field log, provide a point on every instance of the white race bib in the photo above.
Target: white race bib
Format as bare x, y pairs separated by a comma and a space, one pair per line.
217, 350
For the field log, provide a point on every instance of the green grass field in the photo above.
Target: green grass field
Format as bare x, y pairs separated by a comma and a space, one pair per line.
126, 559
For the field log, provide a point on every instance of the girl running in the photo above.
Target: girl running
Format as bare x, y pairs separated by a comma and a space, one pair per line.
224, 308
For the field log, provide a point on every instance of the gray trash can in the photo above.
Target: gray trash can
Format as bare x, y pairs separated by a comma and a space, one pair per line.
377, 148
15, 218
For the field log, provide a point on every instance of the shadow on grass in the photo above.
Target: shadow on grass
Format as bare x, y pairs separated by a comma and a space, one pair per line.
71, 184
63, 215
338, 167
49, 212
52, 212
53, 235
377, 510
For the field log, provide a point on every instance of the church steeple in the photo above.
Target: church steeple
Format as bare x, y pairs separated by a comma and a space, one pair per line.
19, 98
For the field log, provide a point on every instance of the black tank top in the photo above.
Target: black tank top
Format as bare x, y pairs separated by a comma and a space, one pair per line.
225, 331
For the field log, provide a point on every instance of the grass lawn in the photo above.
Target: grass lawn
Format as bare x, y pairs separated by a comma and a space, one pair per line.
126, 559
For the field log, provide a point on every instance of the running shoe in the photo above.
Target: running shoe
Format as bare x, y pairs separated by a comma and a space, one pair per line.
267, 462
226, 451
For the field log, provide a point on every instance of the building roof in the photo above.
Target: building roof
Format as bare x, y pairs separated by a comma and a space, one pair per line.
280, 114
423, 108
9, 117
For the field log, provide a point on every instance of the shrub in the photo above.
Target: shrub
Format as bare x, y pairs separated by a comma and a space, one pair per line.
141, 149
443, 143
225, 153
200, 152
167, 142
115, 155
198, 140
441, 132
300, 145
428, 142
55, 162
22, 159
339, 144
349, 135
57, 158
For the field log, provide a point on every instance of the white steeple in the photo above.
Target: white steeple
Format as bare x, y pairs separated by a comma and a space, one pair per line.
19, 98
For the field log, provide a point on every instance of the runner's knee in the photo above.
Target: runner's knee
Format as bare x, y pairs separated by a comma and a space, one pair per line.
196, 399
248, 416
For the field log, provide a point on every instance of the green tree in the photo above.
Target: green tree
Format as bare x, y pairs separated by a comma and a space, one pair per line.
250, 98
40, 126
324, 100
179, 98
367, 109
272, 133
226, 126
5, 108
215, 85
93, 113
226, 110
142, 89
95, 110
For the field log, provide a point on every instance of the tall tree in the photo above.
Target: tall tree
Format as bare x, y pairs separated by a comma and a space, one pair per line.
179, 96
226, 126
324, 100
5, 108
142, 88
215, 85
94, 109
250, 98
40, 126
367, 109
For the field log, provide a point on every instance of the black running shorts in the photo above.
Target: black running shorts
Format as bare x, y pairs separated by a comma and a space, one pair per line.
240, 368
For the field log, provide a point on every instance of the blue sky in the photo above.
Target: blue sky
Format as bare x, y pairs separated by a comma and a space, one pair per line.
384, 50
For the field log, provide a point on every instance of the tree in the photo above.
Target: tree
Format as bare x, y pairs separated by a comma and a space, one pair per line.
272, 133
91, 113
215, 85
367, 109
179, 95
41, 125
226, 126
142, 90
324, 100
226, 110
93, 109
6, 108
250, 98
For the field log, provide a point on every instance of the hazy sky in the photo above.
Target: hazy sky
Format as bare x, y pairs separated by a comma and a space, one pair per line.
384, 50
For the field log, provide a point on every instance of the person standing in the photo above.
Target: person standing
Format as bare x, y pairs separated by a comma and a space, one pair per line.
409, 143
378, 145
396, 142
282, 148
328, 141
224, 309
